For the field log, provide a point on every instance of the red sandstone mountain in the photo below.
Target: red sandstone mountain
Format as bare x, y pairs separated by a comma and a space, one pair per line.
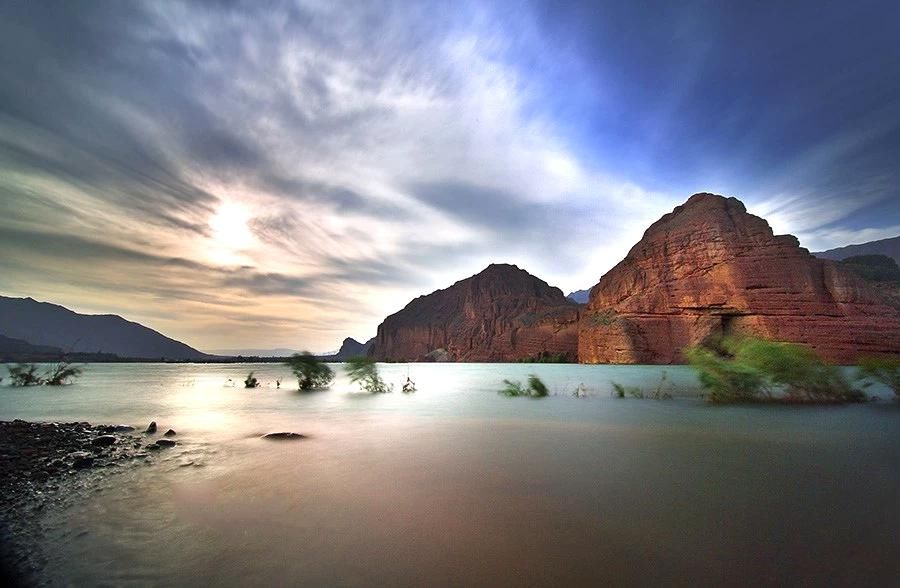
501, 314
710, 267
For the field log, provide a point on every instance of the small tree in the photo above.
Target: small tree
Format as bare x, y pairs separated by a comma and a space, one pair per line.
364, 371
884, 370
61, 373
24, 374
310, 372
251, 382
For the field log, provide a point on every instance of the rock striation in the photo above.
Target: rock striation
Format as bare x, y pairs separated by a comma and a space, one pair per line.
501, 314
709, 267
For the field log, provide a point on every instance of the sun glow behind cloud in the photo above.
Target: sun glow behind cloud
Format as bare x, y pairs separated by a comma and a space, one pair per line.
231, 234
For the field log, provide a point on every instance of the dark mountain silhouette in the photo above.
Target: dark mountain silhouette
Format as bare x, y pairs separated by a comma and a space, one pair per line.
45, 324
351, 348
17, 349
889, 247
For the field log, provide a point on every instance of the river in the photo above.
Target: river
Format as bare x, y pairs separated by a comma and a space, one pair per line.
457, 485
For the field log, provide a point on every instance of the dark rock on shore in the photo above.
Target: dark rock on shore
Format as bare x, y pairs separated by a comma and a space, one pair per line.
284, 436
165, 443
104, 441
118, 428
170, 433
81, 460
151, 428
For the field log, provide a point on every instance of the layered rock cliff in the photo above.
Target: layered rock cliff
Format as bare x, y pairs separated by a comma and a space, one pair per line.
501, 314
709, 267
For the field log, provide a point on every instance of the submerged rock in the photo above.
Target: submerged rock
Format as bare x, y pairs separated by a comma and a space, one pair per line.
170, 433
284, 436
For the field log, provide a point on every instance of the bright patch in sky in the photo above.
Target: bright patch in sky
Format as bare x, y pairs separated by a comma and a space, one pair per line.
231, 233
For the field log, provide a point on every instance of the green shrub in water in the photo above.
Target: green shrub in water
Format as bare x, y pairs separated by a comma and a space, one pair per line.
535, 389
24, 374
309, 371
884, 370
753, 370
61, 373
363, 370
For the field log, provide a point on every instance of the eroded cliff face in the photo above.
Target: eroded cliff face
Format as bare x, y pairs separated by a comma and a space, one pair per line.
501, 314
710, 267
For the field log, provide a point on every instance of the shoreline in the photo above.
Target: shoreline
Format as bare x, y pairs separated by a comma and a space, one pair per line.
44, 463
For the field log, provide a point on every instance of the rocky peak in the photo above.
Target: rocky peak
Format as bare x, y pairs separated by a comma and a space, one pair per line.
710, 266
502, 313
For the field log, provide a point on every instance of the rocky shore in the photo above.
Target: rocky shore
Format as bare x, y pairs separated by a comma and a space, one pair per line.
41, 462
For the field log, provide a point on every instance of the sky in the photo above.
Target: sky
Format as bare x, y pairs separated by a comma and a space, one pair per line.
286, 174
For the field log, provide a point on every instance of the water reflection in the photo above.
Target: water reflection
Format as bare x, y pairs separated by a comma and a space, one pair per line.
455, 485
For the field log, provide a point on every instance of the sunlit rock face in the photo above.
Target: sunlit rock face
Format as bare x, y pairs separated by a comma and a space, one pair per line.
710, 267
501, 314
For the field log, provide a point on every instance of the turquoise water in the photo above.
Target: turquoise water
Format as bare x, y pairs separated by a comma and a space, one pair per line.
457, 485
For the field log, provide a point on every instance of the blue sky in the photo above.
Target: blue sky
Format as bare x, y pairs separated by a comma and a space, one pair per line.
245, 175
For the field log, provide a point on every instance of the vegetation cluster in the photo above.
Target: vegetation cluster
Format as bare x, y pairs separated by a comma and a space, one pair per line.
746, 369
884, 370
663, 390
311, 373
547, 357
875, 268
27, 374
363, 371
535, 388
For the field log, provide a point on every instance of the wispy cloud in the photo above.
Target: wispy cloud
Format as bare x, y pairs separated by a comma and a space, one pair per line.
238, 174
381, 151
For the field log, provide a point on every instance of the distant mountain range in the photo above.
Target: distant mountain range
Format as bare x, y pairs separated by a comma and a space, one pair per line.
43, 325
889, 247
579, 296
276, 352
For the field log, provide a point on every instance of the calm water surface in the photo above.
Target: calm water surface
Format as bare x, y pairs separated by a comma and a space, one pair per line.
456, 485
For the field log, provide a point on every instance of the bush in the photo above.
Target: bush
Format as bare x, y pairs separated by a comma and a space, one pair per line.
753, 370
535, 389
547, 357
251, 382
364, 371
883, 370
24, 374
310, 372
724, 379
511, 388
61, 373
